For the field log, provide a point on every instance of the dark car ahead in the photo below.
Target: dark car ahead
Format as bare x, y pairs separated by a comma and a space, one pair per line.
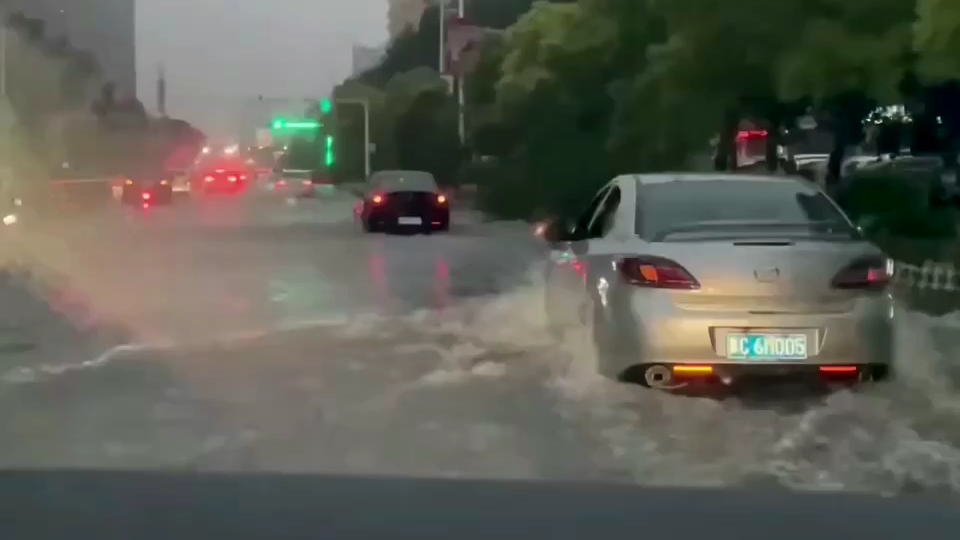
404, 200
232, 180
147, 190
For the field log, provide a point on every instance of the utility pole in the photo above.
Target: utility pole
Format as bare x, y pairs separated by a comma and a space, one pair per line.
161, 91
3, 59
442, 48
461, 93
6, 111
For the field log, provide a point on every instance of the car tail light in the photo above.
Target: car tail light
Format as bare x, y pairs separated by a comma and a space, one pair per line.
441, 199
378, 199
231, 179
209, 179
281, 183
870, 273
146, 196
657, 273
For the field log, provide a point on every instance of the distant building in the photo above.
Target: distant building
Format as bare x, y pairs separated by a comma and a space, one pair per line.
365, 58
107, 28
403, 14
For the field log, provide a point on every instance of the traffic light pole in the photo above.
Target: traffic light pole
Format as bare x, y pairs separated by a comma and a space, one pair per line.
365, 103
461, 93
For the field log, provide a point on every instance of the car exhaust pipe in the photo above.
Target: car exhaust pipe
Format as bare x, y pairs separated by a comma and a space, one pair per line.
660, 377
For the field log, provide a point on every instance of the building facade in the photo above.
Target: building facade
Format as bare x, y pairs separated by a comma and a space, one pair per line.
403, 14
107, 28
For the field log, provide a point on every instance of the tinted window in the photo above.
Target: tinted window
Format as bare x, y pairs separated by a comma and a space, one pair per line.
403, 181
582, 226
604, 220
669, 205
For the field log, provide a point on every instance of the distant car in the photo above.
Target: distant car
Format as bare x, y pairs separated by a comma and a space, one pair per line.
403, 200
300, 183
676, 279
147, 190
226, 181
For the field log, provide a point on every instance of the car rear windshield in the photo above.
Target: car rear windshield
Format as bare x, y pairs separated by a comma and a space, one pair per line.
682, 205
403, 181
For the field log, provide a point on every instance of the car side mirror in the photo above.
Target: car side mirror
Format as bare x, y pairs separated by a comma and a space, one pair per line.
554, 231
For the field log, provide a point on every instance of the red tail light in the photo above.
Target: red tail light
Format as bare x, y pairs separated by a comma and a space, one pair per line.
208, 179
871, 273
657, 273
231, 178
146, 196
378, 199
441, 199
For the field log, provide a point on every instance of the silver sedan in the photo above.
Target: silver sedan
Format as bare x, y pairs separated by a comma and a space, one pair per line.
672, 278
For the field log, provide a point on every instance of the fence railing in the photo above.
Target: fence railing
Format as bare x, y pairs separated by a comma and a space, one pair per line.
930, 275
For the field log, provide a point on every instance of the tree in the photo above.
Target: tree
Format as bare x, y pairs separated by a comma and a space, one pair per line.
936, 40
349, 129
848, 58
553, 106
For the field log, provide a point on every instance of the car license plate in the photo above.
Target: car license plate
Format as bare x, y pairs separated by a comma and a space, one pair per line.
767, 347
410, 221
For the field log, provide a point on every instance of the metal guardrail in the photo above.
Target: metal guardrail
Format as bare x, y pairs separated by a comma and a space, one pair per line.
930, 275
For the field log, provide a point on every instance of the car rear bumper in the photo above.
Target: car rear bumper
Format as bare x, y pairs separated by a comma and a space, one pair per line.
153, 195
217, 187
642, 334
435, 219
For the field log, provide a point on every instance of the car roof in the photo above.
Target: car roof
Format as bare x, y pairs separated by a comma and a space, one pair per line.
664, 178
401, 180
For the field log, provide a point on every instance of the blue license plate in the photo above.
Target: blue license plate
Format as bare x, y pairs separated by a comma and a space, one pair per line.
767, 347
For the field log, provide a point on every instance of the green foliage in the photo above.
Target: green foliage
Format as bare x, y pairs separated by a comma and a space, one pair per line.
900, 211
936, 37
572, 93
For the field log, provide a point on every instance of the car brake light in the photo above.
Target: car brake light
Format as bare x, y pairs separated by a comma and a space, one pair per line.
378, 199
869, 273
146, 196
231, 178
208, 179
656, 272
441, 199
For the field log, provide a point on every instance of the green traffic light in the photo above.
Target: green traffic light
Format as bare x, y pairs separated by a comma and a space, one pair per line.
326, 106
283, 124
329, 153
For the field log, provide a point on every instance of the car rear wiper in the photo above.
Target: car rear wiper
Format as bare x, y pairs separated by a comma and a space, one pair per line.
730, 226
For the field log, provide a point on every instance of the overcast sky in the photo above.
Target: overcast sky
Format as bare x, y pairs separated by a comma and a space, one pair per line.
219, 53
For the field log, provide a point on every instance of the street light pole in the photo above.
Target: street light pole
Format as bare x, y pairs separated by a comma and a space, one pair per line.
3, 59
365, 103
461, 94
442, 61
